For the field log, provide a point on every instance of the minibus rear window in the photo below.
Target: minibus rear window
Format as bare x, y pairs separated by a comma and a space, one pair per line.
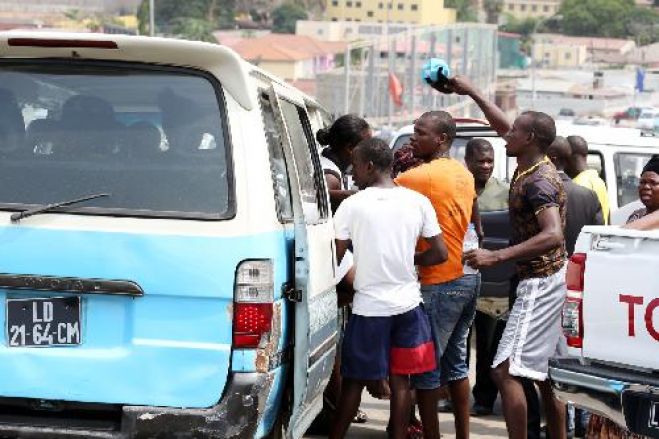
154, 139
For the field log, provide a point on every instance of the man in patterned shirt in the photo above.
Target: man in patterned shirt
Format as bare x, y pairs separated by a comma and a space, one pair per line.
537, 214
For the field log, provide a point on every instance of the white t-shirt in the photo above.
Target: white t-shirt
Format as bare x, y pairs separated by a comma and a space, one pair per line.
384, 225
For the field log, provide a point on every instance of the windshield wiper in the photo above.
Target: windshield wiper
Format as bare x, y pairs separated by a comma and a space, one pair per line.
16, 217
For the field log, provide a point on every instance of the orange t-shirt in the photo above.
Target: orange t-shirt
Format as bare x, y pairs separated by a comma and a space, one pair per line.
450, 187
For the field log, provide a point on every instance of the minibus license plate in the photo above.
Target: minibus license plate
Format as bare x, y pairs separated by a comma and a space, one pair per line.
53, 321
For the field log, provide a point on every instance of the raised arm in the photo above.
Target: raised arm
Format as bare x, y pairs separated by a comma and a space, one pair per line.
494, 115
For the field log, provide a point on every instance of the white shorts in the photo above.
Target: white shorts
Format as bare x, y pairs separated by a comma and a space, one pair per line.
533, 331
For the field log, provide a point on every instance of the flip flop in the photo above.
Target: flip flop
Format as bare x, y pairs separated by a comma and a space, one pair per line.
360, 417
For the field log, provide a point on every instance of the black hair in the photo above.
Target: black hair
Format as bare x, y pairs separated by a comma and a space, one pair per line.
560, 152
376, 151
579, 145
443, 123
345, 132
476, 144
652, 165
543, 127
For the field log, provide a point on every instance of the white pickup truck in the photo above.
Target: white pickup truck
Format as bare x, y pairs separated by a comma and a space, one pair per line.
611, 322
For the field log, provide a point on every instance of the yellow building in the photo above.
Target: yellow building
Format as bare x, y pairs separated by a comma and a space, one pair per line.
531, 8
421, 12
555, 55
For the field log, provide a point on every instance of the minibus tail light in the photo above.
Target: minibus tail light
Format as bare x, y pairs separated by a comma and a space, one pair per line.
253, 303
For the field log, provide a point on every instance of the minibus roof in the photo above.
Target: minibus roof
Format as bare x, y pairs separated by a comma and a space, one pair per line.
224, 63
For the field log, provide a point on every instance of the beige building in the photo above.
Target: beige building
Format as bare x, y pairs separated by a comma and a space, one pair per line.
559, 55
531, 8
291, 57
561, 51
349, 30
423, 12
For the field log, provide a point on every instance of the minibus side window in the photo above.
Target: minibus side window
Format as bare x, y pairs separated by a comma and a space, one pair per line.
319, 174
281, 184
308, 167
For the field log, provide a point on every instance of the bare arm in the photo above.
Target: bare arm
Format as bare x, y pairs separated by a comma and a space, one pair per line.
598, 220
334, 187
341, 248
550, 236
476, 221
494, 115
435, 254
648, 222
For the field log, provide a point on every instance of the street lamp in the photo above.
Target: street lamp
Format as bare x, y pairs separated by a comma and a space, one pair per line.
535, 30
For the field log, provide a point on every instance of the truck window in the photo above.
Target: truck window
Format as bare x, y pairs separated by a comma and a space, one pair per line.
306, 160
153, 138
400, 141
280, 181
595, 161
628, 168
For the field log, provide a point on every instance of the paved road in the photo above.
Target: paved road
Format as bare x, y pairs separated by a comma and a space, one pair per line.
378, 413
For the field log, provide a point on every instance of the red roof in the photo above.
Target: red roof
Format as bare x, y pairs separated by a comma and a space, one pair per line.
508, 34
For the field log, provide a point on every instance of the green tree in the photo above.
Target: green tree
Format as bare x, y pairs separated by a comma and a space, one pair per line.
464, 8
285, 16
194, 29
605, 18
73, 14
493, 9
169, 13
522, 26
642, 25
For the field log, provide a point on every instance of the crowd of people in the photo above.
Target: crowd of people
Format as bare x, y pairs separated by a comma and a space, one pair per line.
412, 233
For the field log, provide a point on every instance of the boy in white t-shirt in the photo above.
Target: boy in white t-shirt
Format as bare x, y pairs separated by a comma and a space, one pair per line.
388, 334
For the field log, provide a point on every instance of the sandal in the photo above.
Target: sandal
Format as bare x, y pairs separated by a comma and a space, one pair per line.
360, 417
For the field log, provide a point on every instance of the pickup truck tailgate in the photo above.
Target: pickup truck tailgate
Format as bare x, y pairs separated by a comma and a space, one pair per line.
621, 298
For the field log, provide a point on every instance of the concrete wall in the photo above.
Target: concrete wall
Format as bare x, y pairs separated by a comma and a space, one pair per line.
552, 103
283, 69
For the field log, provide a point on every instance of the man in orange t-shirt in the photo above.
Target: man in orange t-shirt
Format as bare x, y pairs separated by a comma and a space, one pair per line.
449, 297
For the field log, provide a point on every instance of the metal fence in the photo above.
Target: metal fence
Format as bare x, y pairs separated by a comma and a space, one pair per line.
361, 85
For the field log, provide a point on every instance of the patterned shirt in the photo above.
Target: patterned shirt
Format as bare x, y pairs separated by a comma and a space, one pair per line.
531, 193
637, 215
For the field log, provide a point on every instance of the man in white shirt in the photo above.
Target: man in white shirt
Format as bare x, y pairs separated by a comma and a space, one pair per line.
388, 334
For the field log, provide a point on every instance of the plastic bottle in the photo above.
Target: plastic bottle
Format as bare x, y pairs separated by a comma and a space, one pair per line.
470, 243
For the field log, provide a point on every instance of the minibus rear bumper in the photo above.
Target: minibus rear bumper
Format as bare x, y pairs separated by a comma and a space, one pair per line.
236, 416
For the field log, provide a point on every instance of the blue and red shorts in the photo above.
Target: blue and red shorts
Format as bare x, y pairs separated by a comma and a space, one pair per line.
374, 347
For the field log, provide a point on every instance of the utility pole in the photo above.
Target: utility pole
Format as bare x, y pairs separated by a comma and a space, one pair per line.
542, 57
346, 80
152, 18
